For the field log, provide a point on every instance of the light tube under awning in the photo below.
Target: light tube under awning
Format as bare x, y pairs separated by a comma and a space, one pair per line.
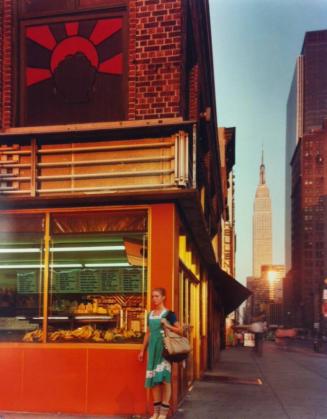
111, 248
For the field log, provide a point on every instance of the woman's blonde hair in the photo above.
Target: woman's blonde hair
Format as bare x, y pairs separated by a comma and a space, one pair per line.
162, 291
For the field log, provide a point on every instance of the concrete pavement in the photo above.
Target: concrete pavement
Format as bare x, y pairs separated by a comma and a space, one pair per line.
281, 384
294, 385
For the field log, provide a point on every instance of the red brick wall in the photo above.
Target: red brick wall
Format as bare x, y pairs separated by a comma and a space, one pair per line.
5, 62
155, 60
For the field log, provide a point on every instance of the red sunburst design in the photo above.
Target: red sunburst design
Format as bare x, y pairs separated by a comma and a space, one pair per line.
74, 43
104, 29
112, 66
71, 46
41, 35
71, 28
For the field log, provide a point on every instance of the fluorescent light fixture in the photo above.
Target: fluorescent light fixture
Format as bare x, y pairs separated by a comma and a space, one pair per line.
32, 266
58, 317
86, 248
66, 265
28, 250
111, 248
106, 265
52, 318
93, 317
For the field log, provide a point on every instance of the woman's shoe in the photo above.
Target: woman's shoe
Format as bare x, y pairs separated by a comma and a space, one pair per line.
156, 410
164, 409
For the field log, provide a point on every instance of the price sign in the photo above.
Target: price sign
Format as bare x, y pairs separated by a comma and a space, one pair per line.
27, 282
111, 280
65, 282
90, 281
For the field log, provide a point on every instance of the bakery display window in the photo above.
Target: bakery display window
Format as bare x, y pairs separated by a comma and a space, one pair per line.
21, 273
97, 277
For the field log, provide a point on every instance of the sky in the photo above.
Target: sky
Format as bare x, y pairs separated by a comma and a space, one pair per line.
255, 46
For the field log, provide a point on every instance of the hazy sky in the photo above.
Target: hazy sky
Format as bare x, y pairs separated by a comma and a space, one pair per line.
255, 45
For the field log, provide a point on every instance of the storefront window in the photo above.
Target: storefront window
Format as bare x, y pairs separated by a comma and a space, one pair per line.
21, 272
98, 277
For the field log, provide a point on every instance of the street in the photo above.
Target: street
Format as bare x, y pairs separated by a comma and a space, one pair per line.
293, 386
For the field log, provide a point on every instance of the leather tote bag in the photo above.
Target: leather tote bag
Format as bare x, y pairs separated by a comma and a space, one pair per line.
176, 347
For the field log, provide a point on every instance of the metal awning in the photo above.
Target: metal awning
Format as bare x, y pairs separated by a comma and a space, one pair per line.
232, 293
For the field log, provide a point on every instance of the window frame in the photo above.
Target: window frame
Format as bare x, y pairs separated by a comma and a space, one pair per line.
46, 271
20, 24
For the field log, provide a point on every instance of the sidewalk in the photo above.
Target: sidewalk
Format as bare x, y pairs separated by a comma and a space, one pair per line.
279, 385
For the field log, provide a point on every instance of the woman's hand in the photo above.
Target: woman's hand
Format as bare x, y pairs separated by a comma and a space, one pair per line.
140, 356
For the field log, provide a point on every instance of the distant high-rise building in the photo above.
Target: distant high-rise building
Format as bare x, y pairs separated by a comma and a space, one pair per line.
309, 214
294, 131
262, 225
306, 183
267, 294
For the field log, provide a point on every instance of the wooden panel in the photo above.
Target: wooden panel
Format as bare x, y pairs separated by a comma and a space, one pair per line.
95, 166
37, 7
98, 3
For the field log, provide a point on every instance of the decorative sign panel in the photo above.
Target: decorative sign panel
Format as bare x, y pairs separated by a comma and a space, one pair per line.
74, 71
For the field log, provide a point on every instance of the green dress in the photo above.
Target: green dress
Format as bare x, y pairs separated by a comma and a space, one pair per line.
158, 368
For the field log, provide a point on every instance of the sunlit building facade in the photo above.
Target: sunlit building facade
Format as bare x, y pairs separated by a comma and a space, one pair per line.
267, 294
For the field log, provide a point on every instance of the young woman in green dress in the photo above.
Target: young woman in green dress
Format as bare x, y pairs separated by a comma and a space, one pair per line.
158, 372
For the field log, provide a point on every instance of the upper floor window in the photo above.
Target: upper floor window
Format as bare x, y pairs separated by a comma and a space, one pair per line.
73, 69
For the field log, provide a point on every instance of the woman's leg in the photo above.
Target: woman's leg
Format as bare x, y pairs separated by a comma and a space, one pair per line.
156, 397
166, 395
166, 392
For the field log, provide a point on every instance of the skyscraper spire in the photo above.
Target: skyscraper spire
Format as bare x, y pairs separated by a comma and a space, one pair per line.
262, 171
262, 224
262, 156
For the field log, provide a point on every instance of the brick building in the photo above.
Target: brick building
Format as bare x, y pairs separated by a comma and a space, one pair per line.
306, 185
110, 186
308, 228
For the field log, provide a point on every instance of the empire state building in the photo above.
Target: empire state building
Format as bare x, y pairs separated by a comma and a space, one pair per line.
262, 225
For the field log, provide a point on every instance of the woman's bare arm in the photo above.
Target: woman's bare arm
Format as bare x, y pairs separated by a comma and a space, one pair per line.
144, 346
176, 327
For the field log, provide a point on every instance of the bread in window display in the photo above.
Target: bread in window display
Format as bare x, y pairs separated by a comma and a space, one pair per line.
97, 336
94, 308
34, 336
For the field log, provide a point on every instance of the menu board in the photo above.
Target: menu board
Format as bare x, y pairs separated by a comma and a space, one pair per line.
98, 281
65, 281
27, 282
89, 281
86, 281
131, 281
111, 281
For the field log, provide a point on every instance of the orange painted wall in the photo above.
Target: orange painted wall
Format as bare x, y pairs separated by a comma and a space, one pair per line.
88, 379
162, 247
71, 380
